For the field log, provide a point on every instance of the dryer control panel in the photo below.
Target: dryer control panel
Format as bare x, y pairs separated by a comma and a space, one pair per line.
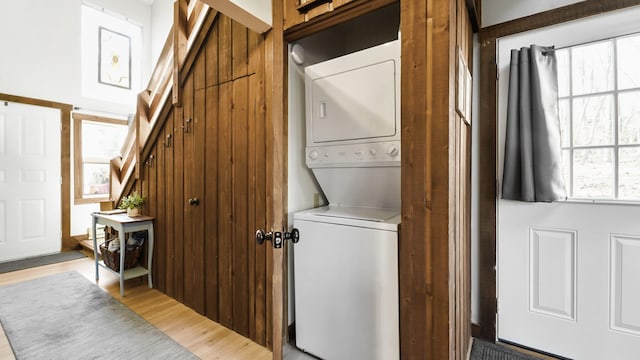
385, 153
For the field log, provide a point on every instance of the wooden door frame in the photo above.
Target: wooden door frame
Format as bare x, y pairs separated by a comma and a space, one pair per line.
276, 184
487, 151
65, 160
426, 245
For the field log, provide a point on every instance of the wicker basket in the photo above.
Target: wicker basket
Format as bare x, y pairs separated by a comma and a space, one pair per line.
112, 258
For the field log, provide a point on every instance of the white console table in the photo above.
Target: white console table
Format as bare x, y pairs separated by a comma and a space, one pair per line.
124, 224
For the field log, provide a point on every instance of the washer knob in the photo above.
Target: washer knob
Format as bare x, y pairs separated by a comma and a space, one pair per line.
393, 150
313, 155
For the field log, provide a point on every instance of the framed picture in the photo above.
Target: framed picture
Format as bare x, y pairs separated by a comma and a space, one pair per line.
114, 58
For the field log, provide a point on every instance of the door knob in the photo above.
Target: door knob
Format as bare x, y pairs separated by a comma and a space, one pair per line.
277, 238
194, 202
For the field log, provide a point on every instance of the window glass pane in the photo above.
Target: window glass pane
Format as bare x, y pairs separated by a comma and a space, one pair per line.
592, 68
566, 170
628, 55
565, 113
96, 179
629, 173
629, 118
563, 72
593, 173
593, 121
102, 140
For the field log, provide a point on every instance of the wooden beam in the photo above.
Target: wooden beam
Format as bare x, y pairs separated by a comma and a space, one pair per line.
242, 13
342, 14
276, 171
179, 46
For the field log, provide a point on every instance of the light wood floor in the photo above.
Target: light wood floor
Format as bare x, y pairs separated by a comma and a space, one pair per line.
203, 337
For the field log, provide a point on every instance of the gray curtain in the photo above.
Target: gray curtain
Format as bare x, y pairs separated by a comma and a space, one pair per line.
532, 161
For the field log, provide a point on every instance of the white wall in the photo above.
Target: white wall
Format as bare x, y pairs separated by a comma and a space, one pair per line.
161, 21
41, 55
41, 49
497, 11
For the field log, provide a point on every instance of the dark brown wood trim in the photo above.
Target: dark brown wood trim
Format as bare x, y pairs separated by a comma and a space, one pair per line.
275, 51
474, 14
65, 159
65, 169
37, 102
555, 16
179, 46
486, 123
342, 14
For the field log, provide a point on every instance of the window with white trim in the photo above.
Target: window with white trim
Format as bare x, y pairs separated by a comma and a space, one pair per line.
599, 101
96, 141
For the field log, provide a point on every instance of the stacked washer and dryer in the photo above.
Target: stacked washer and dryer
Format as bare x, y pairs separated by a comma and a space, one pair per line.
346, 269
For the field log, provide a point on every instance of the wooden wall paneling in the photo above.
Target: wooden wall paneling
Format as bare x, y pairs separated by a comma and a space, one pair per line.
211, 55
317, 11
251, 210
427, 243
291, 15
151, 201
178, 205
225, 225
189, 173
170, 135
160, 222
197, 212
257, 114
225, 48
211, 171
196, 183
240, 206
199, 77
487, 142
239, 53
412, 249
338, 3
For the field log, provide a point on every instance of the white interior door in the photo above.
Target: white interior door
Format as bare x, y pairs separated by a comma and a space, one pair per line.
568, 271
30, 181
568, 278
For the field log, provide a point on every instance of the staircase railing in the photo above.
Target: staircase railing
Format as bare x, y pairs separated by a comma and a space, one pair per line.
189, 19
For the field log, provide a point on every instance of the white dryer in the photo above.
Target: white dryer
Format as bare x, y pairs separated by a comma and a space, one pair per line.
346, 264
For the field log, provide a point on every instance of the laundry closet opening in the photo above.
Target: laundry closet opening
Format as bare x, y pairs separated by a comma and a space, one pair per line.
344, 187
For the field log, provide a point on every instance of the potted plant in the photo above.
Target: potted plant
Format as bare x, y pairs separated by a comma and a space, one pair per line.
132, 203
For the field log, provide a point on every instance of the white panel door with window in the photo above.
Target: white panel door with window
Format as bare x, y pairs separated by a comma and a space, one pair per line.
568, 272
30, 180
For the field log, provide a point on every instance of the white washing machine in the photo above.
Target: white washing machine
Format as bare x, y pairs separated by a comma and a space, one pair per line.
346, 263
346, 286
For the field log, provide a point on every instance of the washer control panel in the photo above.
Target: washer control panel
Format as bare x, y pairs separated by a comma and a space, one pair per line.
385, 153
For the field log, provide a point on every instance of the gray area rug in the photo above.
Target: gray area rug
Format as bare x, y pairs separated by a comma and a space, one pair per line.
483, 350
65, 316
27, 263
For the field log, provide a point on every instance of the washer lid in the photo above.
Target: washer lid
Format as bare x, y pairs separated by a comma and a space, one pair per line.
352, 212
